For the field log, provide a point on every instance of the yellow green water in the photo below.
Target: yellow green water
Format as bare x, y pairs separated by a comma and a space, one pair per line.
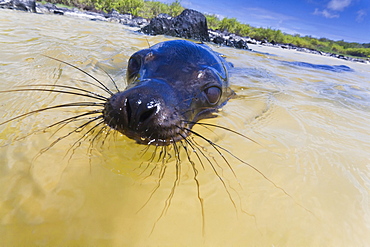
312, 127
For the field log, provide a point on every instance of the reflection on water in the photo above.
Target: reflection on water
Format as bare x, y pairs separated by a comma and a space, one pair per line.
311, 126
333, 68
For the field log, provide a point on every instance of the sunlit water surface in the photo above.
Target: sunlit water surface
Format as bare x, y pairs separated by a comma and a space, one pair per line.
311, 123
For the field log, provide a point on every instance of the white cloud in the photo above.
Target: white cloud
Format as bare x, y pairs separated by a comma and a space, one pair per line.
325, 13
360, 15
333, 7
261, 13
338, 5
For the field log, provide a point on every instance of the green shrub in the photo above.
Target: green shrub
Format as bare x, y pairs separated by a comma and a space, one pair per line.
212, 21
151, 9
358, 52
122, 6
175, 8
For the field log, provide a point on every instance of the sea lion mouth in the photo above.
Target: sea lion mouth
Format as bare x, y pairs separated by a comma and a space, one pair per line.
164, 138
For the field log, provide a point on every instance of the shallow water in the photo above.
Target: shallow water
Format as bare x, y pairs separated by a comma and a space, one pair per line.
310, 116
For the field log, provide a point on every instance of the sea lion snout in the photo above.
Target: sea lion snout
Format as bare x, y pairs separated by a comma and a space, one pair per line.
146, 113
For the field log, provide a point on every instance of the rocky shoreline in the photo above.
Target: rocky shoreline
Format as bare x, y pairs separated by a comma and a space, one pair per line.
225, 37
190, 24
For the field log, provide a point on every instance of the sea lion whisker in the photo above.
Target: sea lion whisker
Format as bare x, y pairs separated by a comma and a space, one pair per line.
192, 123
110, 77
139, 167
173, 189
110, 130
165, 155
75, 104
53, 91
152, 158
63, 124
147, 41
151, 171
160, 154
211, 156
178, 160
81, 70
84, 136
239, 159
215, 147
144, 150
66, 121
93, 84
149, 161
213, 167
191, 144
62, 138
185, 146
50, 126
201, 200
78, 143
91, 146
254, 168
168, 154
153, 154
160, 178
68, 87
229, 165
96, 136
240, 201
224, 128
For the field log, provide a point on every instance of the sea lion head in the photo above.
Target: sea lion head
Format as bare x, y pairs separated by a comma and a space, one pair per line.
170, 86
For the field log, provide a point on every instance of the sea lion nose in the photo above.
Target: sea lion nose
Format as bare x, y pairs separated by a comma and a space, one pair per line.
140, 110
145, 111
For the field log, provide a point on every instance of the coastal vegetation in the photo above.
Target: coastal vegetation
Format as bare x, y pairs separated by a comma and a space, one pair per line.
231, 25
143, 8
150, 9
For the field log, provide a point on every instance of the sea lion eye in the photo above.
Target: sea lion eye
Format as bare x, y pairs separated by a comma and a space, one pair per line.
134, 64
133, 67
213, 94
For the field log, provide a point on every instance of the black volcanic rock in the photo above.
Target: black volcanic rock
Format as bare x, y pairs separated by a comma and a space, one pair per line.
190, 24
241, 44
158, 26
218, 40
25, 5
228, 39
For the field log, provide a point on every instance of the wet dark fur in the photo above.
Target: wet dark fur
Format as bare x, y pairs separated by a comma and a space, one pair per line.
171, 86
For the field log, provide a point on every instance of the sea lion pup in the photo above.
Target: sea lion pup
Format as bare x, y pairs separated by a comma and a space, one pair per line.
171, 86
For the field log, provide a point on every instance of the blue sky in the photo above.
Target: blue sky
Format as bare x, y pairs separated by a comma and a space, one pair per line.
334, 19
